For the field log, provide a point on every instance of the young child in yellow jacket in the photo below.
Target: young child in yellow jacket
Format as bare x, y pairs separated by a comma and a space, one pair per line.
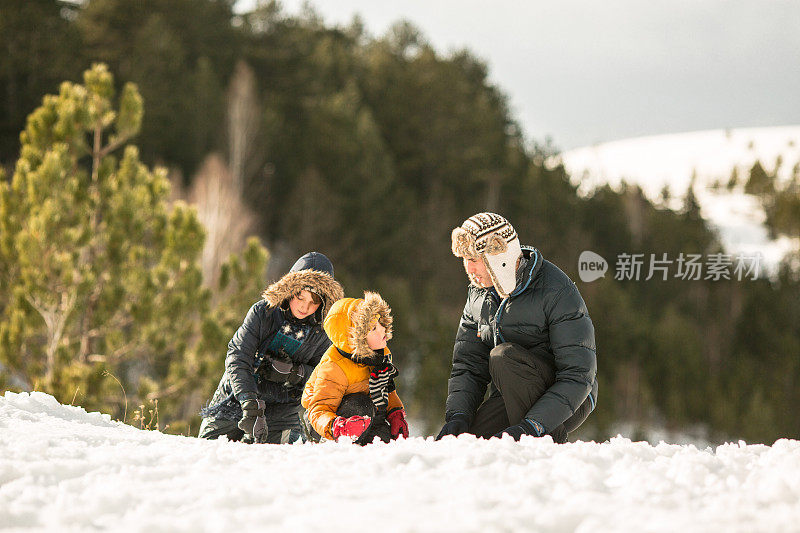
351, 391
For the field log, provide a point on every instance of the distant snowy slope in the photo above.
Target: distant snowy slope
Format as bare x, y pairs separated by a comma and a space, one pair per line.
710, 156
62, 469
652, 162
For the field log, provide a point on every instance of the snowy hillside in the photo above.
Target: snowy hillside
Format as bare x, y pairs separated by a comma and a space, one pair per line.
62, 469
711, 156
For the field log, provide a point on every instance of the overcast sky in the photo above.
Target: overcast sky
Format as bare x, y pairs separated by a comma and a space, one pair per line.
587, 71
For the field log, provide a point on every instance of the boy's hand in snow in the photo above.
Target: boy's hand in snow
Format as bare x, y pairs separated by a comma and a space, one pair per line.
253, 422
351, 427
397, 423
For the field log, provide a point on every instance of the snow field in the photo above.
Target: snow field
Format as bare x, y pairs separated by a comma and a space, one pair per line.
62, 469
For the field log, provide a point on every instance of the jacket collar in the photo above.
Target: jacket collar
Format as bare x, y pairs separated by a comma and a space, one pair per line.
530, 271
377, 358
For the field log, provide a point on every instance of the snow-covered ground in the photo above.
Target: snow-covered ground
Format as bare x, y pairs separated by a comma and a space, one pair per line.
63, 469
709, 156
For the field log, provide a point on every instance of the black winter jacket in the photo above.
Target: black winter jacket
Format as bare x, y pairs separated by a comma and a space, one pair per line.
544, 314
239, 382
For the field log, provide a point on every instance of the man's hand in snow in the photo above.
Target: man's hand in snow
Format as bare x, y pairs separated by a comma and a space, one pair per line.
457, 425
526, 427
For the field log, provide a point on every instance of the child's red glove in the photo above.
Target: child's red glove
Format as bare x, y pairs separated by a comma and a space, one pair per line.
351, 427
397, 423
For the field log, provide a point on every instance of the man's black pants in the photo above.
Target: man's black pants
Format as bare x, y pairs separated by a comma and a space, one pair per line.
520, 377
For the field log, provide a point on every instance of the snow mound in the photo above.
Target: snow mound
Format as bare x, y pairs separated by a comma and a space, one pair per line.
708, 157
67, 470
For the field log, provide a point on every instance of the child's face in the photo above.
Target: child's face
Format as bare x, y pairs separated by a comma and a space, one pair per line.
303, 305
376, 338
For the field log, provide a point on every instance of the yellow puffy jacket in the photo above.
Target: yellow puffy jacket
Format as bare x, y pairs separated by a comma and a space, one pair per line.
347, 325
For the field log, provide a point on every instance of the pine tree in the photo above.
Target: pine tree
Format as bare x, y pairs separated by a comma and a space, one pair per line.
760, 182
100, 275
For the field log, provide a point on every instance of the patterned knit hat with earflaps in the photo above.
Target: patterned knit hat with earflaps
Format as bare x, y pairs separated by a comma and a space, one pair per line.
491, 238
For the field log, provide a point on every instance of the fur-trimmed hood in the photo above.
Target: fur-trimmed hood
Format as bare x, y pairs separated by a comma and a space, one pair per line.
316, 281
351, 319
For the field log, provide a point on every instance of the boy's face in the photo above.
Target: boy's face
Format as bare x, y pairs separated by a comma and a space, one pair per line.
477, 272
303, 305
376, 338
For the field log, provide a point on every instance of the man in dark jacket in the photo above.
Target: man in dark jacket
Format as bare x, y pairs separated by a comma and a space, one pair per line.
271, 356
526, 330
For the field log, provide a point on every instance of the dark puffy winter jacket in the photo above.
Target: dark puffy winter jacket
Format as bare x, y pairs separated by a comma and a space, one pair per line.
239, 382
249, 344
546, 315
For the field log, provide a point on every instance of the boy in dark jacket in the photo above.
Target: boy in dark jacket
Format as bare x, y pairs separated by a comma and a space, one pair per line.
271, 356
526, 330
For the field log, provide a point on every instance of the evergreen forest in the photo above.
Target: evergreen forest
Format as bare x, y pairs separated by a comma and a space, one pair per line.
162, 161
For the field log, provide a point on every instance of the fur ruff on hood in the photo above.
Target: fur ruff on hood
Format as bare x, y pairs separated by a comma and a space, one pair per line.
351, 319
320, 283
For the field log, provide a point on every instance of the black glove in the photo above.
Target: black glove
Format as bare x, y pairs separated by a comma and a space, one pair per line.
526, 427
283, 372
458, 424
253, 422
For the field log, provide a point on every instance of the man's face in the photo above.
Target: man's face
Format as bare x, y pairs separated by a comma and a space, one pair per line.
477, 272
